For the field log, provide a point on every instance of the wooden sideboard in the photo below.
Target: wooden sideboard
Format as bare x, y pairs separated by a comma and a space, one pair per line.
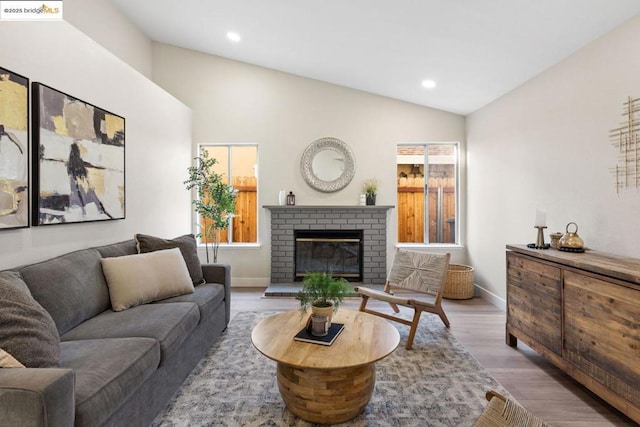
582, 312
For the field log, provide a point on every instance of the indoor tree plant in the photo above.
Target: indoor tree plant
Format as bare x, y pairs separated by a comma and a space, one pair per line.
370, 188
215, 203
322, 292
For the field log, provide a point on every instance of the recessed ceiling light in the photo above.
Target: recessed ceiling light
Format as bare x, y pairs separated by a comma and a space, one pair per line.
234, 37
428, 84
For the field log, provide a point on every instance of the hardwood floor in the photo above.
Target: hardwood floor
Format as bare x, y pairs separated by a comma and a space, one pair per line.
480, 327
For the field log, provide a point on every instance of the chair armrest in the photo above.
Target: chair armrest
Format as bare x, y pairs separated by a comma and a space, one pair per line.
382, 295
37, 397
492, 393
220, 273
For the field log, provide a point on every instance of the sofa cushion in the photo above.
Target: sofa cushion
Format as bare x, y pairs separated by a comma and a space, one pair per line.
141, 278
27, 331
128, 247
167, 323
207, 297
70, 287
187, 245
107, 373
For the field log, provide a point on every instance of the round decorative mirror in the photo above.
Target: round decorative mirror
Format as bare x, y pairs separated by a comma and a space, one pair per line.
328, 165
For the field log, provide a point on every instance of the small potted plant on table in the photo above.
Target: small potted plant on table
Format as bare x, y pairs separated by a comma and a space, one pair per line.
323, 293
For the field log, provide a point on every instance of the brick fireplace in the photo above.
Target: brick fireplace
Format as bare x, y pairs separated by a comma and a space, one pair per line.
371, 220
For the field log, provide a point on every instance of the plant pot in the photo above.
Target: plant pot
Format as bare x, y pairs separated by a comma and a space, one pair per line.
323, 311
371, 199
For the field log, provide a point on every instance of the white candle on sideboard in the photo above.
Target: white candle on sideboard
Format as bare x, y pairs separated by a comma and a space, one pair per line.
541, 218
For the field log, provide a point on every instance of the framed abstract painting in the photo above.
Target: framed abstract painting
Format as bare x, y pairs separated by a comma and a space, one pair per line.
78, 160
14, 150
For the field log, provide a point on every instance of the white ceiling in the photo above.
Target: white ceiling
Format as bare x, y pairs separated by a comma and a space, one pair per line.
476, 50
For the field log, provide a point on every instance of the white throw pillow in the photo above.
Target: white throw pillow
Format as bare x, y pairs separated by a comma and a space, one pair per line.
8, 361
142, 278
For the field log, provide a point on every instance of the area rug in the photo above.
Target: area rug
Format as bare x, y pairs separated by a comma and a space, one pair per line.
437, 383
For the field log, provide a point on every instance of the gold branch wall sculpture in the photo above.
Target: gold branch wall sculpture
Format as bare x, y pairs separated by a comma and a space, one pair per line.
626, 139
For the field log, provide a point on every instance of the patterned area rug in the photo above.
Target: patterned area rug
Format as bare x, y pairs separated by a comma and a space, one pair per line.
437, 383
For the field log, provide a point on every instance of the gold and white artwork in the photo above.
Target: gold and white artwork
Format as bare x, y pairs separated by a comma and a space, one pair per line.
14, 156
80, 165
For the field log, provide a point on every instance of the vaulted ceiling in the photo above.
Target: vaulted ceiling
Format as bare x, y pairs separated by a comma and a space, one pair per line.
474, 51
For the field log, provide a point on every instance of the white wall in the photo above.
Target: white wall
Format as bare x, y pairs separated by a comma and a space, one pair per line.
545, 146
237, 102
103, 22
157, 147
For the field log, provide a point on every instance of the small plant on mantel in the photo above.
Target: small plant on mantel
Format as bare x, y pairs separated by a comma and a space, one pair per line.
370, 188
320, 290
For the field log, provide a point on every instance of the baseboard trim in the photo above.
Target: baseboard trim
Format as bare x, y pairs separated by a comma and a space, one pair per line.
492, 298
250, 282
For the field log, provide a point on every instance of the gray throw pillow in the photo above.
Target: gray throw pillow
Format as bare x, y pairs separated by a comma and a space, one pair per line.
27, 331
188, 248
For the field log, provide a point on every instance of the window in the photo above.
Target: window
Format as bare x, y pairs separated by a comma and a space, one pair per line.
427, 195
240, 162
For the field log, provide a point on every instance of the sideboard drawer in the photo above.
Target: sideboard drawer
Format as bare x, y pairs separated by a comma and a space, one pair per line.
534, 300
602, 332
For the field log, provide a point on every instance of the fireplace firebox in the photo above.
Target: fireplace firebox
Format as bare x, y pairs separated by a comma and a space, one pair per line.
338, 252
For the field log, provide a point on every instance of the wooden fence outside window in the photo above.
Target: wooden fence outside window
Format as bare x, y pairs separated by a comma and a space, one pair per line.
245, 221
442, 210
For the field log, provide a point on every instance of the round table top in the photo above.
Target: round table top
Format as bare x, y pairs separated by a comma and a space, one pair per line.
364, 340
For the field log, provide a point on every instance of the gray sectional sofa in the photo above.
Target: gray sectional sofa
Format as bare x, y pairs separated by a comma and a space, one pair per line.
116, 368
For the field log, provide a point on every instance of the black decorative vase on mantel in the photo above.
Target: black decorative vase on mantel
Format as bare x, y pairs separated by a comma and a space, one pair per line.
371, 199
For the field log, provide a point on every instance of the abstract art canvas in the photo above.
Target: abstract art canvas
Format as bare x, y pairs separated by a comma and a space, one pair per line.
79, 153
14, 150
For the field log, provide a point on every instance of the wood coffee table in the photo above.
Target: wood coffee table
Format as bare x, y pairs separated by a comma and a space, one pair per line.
326, 384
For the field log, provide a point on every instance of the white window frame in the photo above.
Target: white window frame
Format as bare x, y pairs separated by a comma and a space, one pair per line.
228, 243
457, 171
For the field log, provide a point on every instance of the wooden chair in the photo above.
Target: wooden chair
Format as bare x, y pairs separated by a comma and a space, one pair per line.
417, 272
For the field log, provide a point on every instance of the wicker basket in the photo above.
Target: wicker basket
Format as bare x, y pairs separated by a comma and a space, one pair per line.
459, 283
